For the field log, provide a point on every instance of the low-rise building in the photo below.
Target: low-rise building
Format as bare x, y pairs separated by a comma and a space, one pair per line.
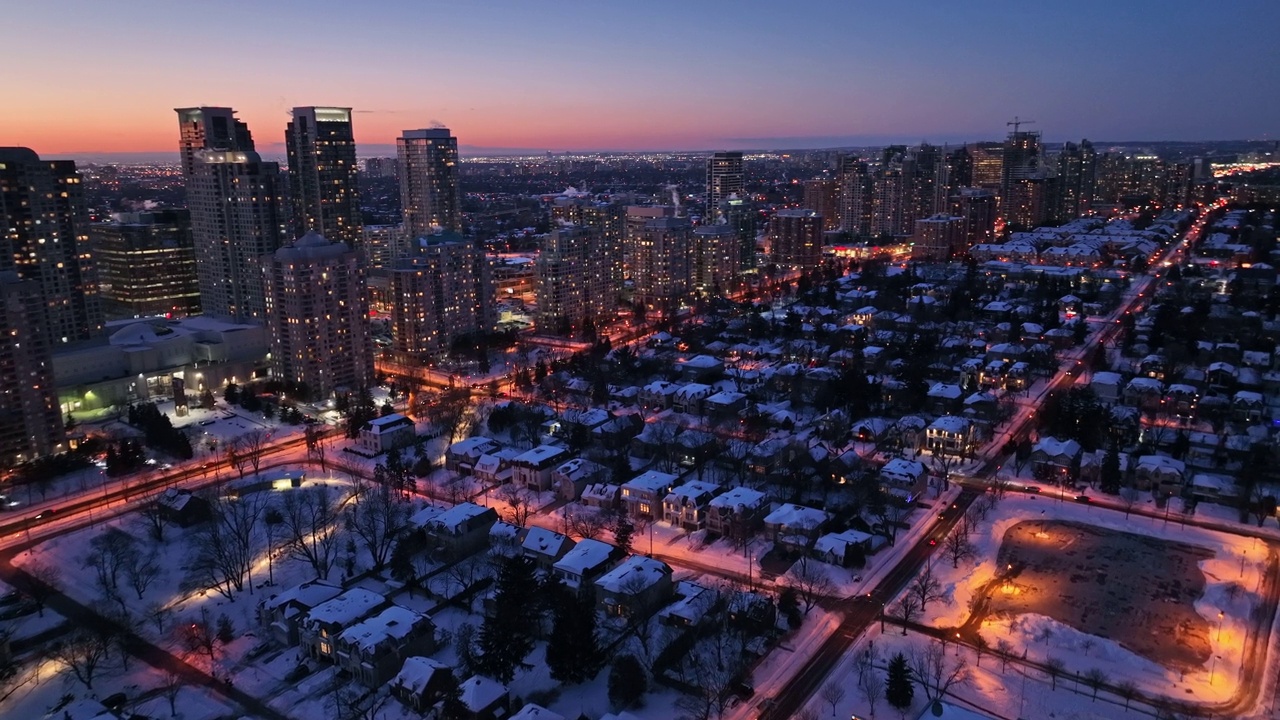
391, 432
545, 547
904, 479
484, 699
373, 650
570, 479
843, 549
637, 587
533, 469
950, 435
685, 506
421, 683
588, 560
460, 530
319, 630
281, 613
737, 513
795, 526
642, 495
461, 456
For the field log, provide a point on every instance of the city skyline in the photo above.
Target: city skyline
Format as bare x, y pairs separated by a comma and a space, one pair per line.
712, 78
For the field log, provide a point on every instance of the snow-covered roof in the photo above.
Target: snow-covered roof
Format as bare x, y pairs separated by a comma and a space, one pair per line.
456, 516
479, 692
1161, 463
945, 390
704, 362
603, 492
796, 516
393, 623
739, 497
535, 712
635, 574
950, 424
308, 594
694, 603
473, 445
651, 481
584, 556
1053, 447
425, 515
544, 542
346, 608
903, 469
387, 422
692, 489
835, 543
416, 673
540, 455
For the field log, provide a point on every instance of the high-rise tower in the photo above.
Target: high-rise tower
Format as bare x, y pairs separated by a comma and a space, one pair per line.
30, 421
323, 184
44, 237
725, 178
236, 216
429, 181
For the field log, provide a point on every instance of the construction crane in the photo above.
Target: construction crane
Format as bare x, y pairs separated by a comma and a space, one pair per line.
1017, 121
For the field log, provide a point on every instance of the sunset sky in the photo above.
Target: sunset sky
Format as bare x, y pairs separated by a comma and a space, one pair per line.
101, 76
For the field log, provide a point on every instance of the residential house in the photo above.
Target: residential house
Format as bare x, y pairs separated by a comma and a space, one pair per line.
533, 469
545, 547
533, 711
982, 407
182, 508
495, 468
724, 404
281, 613
1248, 406
904, 479
1160, 473
484, 699
322, 625
950, 435
685, 506
695, 447
642, 495
795, 526
692, 607
944, 398
736, 513
421, 683
617, 433
461, 456
588, 560
601, 495
658, 395
843, 549
1144, 393
374, 649
382, 434
637, 587
571, 478
768, 457
689, 398
461, 530
701, 369
1059, 457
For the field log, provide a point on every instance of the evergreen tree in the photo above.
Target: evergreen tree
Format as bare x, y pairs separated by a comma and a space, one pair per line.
1109, 472
622, 532
506, 638
627, 681
573, 648
899, 689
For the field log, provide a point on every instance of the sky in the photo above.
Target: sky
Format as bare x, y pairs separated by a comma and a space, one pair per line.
87, 77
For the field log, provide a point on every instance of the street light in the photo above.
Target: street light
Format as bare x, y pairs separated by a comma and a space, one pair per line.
1219, 637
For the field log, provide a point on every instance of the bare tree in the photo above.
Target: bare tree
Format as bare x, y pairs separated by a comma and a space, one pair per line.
907, 607
459, 577
1128, 497
141, 572
957, 547
1055, 667
1127, 690
197, 636
170, 687
236, 457
153, 519
936, 674
833, 694
980, 645
871, 685
1004, 650
926, 588
43, 584
157, 613
1095, 678
810, 581
83, 654
311, 528
315, 445
521, 505
974, 516
378, 518
252, 444
587, 523
108, 555
224, 545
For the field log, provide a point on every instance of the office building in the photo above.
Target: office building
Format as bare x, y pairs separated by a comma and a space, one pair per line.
429, 196
318, 316
938, 238
573, 281
30, 421
856, 193
986, 164
323, 185
441, 291
236, 214
45, 231
661, 264
146, 264
822, 195
725, 179
795, 238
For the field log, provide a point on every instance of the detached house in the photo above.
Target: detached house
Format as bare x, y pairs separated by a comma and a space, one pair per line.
795, 526
736, 513
421, 683
461, 530
950, 435
637, 586
281, 613
642, 495
587, 560
533, 469
685, 506
545, 547
571, 478
386, 433
319, 630
374, 649
904, 479
461, 456
1061, 456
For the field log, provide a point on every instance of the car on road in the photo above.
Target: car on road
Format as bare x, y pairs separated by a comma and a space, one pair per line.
206, 423
1083, 499
1031, 489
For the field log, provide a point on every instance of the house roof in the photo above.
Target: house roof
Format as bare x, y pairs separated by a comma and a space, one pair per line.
308, 594
635, 574
1054, 447
540, 455
739, 497
479, 692
950, 424
692, 489
792, 515
836, 543
454, 517
584, 556
651, 480
535, 712
346, 608
545, 542
393, 623
416, 673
